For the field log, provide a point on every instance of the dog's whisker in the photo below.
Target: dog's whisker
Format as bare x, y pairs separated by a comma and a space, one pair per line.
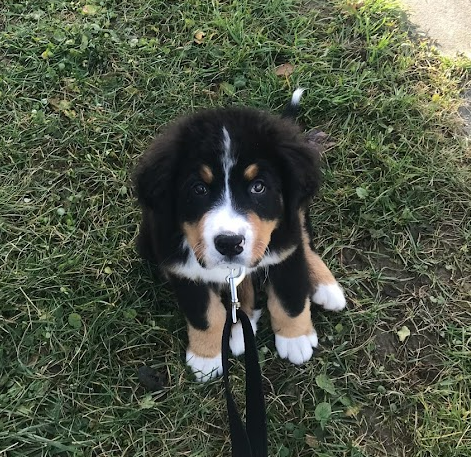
260, 250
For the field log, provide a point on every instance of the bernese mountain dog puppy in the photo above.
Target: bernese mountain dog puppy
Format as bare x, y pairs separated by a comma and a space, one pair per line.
225, 188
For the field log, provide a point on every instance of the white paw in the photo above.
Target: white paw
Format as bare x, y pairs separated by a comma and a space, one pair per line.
330, 297
297, 350
236, 342
204, 368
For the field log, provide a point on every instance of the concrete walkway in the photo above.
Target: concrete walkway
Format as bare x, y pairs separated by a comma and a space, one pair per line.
446, 22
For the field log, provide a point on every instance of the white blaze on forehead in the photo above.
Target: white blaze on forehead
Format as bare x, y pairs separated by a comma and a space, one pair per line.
228, 158
228, 161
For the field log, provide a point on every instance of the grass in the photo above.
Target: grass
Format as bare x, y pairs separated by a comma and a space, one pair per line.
83, 88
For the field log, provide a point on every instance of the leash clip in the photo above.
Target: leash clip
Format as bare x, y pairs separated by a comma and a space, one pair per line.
234, 279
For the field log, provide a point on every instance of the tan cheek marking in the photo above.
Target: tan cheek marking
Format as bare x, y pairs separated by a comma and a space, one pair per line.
194, 234
284, 325
318, 271
207, 343
251, 172
262, 230
206, 174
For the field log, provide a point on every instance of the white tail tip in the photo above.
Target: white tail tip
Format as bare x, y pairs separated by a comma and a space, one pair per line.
296, 97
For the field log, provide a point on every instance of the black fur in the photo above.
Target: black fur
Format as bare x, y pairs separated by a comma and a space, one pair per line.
192, 298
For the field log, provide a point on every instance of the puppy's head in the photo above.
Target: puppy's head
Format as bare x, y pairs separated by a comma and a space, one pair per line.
226, 180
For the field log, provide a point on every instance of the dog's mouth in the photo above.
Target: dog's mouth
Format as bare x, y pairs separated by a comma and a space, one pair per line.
231, 262
225, 262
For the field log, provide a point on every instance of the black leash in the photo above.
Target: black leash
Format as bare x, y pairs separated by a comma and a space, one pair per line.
252, 440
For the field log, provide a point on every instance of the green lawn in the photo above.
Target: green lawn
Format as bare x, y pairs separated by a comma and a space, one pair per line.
83, 89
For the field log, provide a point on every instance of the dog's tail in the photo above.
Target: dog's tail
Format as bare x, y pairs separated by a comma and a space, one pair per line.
292, 108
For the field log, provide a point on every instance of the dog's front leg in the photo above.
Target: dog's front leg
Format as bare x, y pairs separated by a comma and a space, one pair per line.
290, 311
205, 315
325, 289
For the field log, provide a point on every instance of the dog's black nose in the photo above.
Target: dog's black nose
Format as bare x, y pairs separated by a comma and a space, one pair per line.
230, 245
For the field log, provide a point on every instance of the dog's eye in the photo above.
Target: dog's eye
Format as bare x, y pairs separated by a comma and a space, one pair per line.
257, 187
200, 189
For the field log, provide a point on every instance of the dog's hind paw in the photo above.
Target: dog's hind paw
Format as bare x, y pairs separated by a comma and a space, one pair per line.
330, 297
204, 368
297, 350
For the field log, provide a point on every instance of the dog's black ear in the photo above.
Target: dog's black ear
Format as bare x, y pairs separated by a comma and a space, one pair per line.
303, 173
155, 173
153, 182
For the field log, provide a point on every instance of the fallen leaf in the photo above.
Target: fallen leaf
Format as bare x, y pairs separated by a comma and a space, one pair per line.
323, 412
131, 90
70, 113
403, 333
240, 82
63, 106
75, 320
353, 7
147, 402
84, 42
319, 141
227, 88
352, 411
284, 451
311, 441
89, 10
199, 37
151, 379
298, 433
60, 105
358, 5
324, 382
285, 70
362, 192
210, 93
32, 361
130, 314
47, 53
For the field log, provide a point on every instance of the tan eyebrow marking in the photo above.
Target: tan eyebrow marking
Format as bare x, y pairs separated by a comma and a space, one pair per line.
251, 171
206, 174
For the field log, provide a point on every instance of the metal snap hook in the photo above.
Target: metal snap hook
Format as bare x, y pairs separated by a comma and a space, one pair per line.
234, 279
